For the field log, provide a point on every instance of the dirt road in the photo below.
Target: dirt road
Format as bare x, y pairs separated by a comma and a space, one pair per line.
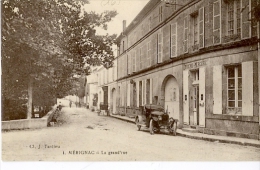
85, 136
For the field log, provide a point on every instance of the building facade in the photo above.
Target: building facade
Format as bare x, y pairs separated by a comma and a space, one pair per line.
197, 58
103, 83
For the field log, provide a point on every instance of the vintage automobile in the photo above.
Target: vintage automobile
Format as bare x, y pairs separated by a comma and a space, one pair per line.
155, 119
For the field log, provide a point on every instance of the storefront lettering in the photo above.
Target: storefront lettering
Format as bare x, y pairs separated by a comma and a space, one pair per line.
195, 64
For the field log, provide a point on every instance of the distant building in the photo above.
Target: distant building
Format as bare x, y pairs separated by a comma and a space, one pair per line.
91, 89
199, 59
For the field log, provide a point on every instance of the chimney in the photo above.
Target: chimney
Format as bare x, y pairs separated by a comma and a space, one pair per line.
124, 25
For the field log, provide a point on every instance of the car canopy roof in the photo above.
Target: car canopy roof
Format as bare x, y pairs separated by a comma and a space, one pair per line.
153, 107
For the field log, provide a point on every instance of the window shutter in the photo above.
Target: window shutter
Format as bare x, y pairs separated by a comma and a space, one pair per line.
159, 47
217, 89
174, 40
247, 88
129, 64
216, 22
128, 94
149, 53
143, 91
202, 96
186, 97
137, 93
245, 30
201, 27
185, 35
137, 60
151, 91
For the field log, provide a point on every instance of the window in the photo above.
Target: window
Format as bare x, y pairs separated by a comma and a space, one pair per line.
149, 53
185, 42
134, 60
140, 93
159, 47
137, 59
234, 89
216, 22
201, 27
141, 58
173, 40
142, 31
129, 64
253, 20
150, 23
160, 14
128, 94
148, 91
233, 17
195, 30
123, 46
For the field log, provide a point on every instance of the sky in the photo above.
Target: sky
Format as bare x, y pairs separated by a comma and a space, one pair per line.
126, 9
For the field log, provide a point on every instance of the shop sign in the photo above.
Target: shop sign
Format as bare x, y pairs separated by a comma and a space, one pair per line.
195, 64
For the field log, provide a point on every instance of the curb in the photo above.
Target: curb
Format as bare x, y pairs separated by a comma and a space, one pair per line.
202, 138
129, 121
219, 140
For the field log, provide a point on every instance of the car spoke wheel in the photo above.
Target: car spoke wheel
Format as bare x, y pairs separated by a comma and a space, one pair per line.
137, 124
151, 127
174, 129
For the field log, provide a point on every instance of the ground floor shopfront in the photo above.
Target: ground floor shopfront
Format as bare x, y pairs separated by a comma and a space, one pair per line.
216, 92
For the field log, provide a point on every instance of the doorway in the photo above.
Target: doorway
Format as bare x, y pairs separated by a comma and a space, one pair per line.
114, 101
170, 94
196, 105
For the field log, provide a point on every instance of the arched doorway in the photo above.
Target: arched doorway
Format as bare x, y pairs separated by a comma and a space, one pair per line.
170, 94
113, 100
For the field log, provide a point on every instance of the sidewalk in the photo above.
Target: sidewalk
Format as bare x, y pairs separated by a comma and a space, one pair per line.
200, 136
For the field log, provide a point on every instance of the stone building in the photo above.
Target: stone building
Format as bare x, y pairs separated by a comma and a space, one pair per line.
106, 87
198, 59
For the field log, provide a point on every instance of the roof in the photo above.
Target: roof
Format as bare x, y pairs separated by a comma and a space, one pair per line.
153, 107
147, 8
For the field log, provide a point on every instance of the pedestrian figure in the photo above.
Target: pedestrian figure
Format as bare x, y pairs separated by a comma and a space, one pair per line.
70, 103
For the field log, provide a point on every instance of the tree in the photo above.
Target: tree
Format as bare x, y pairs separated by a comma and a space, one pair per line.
45, 43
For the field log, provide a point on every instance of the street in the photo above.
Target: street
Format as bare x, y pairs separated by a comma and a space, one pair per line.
82, 135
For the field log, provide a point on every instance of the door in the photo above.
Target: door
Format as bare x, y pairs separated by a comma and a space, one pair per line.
171, 95
196, 105
114, 101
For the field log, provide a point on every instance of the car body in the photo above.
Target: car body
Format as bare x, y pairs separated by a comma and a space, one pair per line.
155, 118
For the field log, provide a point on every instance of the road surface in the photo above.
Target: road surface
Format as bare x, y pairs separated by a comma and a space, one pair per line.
82, 135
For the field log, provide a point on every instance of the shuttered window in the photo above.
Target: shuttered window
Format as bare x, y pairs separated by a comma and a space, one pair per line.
140, 93
159, 47
134, 61
173, 40
234, 89
245, 32
248, 86
201, 27
217, 89
217, 22
128, 94
149, 54
185, 42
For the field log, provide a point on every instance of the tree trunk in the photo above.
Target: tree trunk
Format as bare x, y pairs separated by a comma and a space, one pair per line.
30, 96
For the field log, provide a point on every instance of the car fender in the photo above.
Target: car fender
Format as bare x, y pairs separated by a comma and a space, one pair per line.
155, 118
139, 117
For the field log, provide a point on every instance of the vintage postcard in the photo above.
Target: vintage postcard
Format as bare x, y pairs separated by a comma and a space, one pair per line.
130, 81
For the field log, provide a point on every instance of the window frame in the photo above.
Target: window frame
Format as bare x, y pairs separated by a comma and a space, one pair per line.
236, 110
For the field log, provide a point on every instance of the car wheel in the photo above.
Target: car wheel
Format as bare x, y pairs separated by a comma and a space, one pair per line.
137, 124
174, 129
151, 127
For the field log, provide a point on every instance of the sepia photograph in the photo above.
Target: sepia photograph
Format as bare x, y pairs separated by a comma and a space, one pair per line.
130, 81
